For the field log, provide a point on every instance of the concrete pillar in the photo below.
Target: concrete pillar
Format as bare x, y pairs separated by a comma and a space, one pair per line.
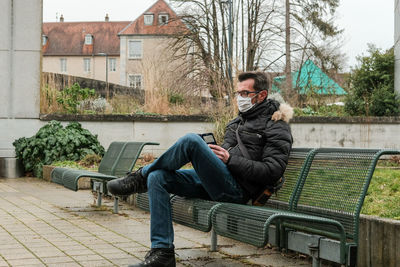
20, 48
20, 56
397, 46
123, 59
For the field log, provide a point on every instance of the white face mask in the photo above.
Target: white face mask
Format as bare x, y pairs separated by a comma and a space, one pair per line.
244, 103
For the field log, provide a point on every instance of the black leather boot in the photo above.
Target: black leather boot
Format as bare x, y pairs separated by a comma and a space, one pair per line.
158, 257
132, 183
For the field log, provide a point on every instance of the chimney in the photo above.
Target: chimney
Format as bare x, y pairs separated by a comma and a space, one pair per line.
62, 18
107, 18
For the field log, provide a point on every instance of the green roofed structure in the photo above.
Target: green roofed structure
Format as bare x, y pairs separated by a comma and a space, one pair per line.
311, 78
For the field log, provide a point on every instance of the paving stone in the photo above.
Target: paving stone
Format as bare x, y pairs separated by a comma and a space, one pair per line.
25, 262
66, 264
113, 256
63, 229
13, 254
127, 261
127, 245
54, 252
97, 263
91, 257
79, 252
51, 260
278, 260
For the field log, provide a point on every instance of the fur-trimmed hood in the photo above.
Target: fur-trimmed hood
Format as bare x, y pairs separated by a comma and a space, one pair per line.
284, 113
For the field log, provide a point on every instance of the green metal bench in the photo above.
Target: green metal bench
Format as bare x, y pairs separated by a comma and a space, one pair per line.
119, 159
323, 216
142, 201
196, 213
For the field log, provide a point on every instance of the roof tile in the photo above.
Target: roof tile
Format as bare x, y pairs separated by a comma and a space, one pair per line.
174, 26
68, 38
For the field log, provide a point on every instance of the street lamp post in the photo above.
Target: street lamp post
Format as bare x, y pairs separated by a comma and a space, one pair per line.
230, 38
230, 48
107, 89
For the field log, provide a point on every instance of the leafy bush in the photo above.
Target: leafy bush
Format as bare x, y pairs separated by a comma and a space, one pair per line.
71, 97
175, 98
54, 142
373, 85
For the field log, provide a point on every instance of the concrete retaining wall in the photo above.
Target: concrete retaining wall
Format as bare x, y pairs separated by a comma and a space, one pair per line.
307, 131
379, 242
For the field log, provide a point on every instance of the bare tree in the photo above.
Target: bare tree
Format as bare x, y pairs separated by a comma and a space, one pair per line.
310, 34
265, 31
208, 23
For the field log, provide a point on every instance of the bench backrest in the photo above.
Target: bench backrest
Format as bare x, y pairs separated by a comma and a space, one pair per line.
111, 157
335, 185
295, 167
121, 157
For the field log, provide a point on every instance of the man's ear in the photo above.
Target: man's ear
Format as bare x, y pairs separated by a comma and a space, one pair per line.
263, 95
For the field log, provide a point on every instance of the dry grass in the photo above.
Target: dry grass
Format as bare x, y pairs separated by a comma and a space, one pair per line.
156, 101
123, 104
221, 116
49, 89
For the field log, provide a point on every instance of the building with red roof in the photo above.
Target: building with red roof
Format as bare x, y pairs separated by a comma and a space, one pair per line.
134, 50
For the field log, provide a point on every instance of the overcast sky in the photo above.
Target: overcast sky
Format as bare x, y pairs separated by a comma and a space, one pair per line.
363, 21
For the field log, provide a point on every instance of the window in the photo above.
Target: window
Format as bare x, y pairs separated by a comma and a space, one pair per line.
63, 64
135, 49
112, 64
86, 64
148, 19
88, 39
135, 81
44, 39
163, 19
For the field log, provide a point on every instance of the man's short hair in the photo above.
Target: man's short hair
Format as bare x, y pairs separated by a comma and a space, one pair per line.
260, 79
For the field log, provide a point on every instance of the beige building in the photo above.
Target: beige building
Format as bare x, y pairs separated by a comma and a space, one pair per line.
136, 52
81, 48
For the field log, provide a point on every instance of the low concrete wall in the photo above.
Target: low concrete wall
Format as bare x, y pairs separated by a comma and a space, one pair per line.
379, 242
307, 131
354, 132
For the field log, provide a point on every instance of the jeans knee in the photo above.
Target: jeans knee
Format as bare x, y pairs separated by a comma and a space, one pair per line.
191, 139
156, 179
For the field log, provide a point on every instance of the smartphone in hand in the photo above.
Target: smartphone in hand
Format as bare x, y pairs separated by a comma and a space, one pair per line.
208, 138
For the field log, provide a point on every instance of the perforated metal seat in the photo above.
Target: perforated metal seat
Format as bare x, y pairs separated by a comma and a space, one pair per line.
326, 201
196, 213
119, 159
142, 201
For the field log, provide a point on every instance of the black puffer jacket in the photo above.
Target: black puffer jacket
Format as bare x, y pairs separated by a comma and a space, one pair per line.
268, 143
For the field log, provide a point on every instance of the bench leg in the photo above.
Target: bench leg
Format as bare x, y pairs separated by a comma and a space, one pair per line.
214, 240
314, 252
116, 204
99, 198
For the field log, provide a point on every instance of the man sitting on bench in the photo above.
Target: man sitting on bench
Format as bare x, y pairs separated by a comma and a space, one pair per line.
253, 157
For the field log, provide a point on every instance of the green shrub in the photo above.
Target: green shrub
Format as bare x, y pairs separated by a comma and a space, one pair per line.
372, 85
52, 143
176, 98
384, 102
71, 97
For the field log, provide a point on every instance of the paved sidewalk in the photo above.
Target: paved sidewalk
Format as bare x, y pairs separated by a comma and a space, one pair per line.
44, 224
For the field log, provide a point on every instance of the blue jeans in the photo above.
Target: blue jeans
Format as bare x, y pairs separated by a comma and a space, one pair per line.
210, 179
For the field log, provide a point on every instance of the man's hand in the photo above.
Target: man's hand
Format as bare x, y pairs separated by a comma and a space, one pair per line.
220, 152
